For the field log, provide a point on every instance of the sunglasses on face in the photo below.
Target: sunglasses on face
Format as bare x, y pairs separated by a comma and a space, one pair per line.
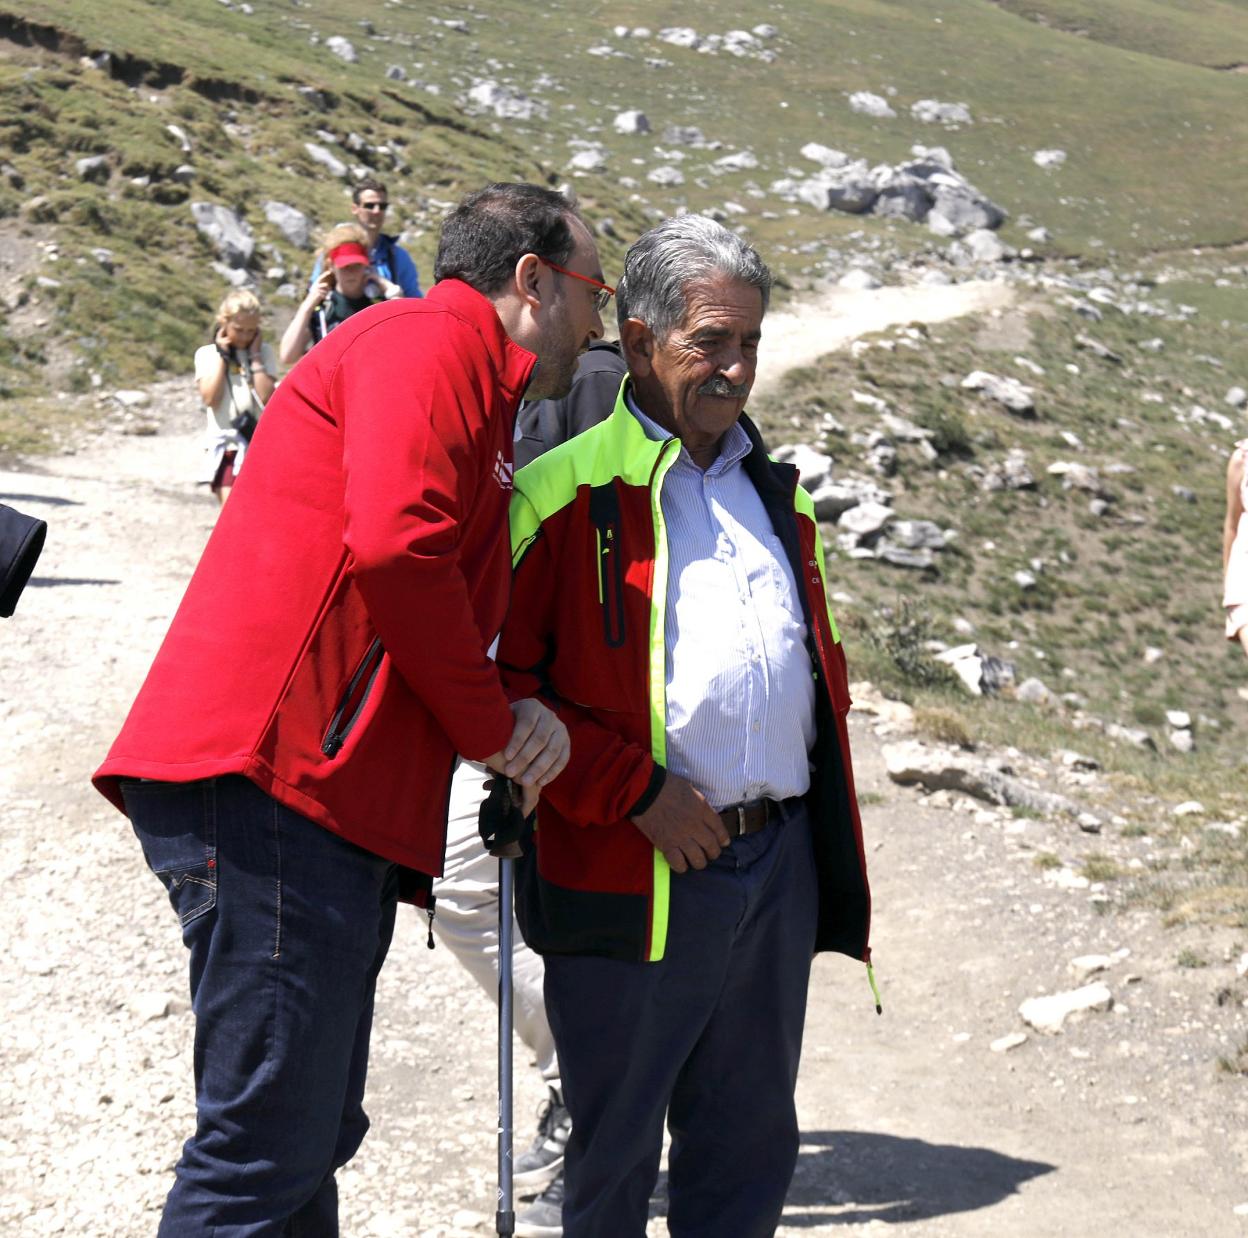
602, 298
373, 206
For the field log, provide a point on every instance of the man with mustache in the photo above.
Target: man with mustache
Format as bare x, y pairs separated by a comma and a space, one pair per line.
703, 841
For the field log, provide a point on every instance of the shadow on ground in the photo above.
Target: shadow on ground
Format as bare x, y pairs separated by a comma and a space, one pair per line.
851, 1177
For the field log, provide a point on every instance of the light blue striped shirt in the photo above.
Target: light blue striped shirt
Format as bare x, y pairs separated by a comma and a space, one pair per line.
740, 686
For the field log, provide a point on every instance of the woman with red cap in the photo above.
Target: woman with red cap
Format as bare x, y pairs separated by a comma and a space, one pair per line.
346, 285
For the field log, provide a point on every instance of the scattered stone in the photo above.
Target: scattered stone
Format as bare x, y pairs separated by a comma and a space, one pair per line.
667, 175
1137, 737
868, 699
1097, 349
739, 161
1008, 392
917, 535
293, 224
836, 497
1033, 692
133, 398
1012, 473
813, 467
150, 1006
1049, 159
344, 49
327, 159
590, 158
179, 135
824, 155
865, 520
1089, 823
505, 102
858, 280
229, 235
867, 104
631, 122
1189, 808
1180, 719
313, 97
913, 763
1049, 1014
1003, 1044
1237, 397
93, 168
1076, 476
1086, 966
980, 246
930, 112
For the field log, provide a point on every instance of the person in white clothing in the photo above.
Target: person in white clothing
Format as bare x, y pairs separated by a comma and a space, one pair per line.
1235, 547
235, 376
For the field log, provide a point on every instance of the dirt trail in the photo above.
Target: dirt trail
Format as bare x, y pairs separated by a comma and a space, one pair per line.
910, 1120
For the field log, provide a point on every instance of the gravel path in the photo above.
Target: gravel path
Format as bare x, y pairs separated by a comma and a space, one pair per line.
911, 1120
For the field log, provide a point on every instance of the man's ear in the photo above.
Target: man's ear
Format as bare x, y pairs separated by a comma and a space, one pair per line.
526, 280
637, 341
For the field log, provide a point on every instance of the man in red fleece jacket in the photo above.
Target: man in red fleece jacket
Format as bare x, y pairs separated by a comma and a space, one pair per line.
287, 763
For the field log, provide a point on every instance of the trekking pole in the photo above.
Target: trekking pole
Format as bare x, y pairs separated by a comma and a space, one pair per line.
506, 1215
501, 822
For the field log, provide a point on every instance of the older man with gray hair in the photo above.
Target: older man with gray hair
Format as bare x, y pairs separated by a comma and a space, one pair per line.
669, 601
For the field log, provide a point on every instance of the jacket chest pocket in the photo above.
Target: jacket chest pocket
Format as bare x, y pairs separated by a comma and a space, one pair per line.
604, 515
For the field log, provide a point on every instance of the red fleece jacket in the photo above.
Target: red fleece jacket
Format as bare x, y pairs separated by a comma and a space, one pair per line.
331, 645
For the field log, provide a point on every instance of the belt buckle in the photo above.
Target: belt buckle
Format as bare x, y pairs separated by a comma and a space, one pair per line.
740, 820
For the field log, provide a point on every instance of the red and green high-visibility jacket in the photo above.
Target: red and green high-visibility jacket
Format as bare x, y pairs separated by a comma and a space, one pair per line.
585, 632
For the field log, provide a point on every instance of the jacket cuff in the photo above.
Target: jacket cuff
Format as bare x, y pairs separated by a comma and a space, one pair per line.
658, 776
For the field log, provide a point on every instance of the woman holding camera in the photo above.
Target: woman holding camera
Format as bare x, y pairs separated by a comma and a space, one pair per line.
235, 375
346, 284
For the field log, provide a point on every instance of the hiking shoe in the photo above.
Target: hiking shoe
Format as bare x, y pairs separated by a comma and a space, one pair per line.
543, 1162
543, 1218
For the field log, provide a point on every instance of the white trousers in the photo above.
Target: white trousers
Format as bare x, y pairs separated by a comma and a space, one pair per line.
467, 920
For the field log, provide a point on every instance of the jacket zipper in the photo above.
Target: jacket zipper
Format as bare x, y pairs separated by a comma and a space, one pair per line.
341, 725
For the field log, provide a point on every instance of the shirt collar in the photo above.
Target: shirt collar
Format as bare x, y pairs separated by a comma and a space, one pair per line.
734, 447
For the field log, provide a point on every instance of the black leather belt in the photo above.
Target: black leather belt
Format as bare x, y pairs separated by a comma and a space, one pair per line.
755, 815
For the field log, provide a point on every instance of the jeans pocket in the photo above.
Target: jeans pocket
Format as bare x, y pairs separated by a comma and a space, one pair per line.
177, 831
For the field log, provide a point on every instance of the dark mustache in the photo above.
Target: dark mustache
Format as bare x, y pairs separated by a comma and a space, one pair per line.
720, 386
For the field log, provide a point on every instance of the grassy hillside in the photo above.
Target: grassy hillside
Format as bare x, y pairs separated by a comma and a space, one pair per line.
1153, 139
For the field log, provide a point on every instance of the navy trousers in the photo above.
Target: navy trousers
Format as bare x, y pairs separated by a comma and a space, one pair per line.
710, 1036
287, 927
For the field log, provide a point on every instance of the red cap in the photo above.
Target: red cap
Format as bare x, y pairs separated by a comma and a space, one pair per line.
348, 254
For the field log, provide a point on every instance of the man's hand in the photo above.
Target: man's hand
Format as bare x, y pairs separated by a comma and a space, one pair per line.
682, 825
536, 753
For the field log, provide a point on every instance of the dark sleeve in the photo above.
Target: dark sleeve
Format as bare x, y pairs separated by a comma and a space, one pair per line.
547, 423
21, 542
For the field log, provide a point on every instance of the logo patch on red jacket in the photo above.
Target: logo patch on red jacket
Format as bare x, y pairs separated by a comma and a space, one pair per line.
503, 472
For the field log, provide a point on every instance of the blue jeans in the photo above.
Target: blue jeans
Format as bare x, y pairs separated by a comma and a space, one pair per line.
710, 1036
287, 927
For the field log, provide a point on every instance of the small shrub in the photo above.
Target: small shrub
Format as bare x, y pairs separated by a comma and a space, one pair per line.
1100, 868
1189, 958
943, 725
1046, 860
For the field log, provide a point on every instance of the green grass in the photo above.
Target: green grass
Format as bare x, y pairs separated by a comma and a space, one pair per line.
1123, 107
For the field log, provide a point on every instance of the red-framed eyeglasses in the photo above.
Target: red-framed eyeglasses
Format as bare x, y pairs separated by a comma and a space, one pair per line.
604, 294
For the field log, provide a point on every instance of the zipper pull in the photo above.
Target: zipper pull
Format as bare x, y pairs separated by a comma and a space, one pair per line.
430, 912
879, 1008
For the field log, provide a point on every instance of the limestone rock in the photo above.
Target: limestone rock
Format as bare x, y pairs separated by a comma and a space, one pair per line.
1237, 397
505, 102
1048, 1014
868, 104
230, 236
1033, 692
824, 155
813, 467
292, 223
866, 519
931, 112
1049, 159
631, 122
1008, 392
344, 49
326, 158
92, 168
1086, 966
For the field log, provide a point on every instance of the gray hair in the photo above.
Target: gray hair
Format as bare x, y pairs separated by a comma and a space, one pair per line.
662, 263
